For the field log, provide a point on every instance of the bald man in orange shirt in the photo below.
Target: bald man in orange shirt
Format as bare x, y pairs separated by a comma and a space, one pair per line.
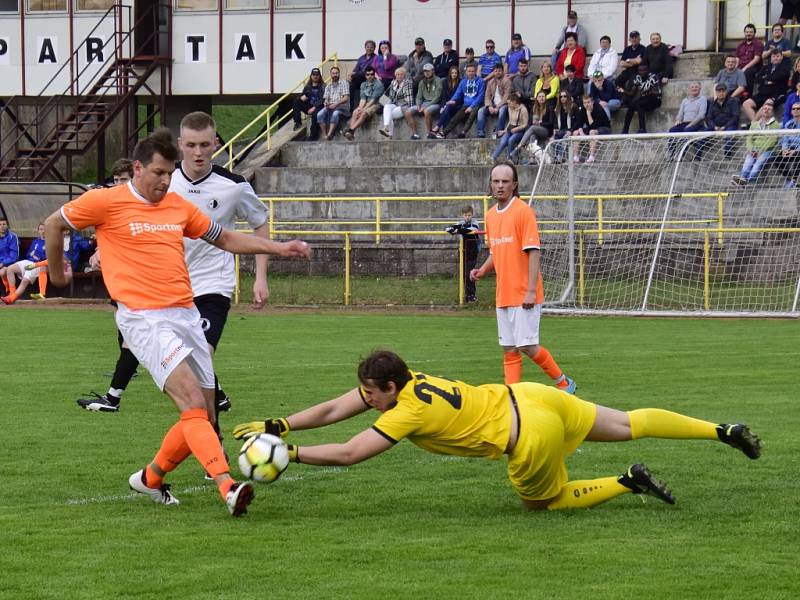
514, 248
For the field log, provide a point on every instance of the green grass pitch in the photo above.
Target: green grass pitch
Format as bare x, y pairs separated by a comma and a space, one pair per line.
406, 524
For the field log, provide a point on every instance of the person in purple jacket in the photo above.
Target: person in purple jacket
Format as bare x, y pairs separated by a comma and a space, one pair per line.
359, 72
464, 104
385, 63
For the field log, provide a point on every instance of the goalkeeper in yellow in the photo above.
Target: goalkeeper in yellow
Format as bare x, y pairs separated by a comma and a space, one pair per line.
537, 426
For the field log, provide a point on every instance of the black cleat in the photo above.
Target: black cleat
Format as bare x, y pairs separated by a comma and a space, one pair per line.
98, 403
739, 436
639, 480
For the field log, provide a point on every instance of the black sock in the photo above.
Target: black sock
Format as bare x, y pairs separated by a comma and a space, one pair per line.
123, 372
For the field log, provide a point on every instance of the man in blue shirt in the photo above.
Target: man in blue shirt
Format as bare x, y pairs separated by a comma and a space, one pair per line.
9, 244
488, 60
517, 51
469, 96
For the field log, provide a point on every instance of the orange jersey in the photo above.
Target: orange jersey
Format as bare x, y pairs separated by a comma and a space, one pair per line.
142, 243
510, 233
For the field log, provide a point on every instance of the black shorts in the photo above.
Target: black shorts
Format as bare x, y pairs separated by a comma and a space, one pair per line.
214, 311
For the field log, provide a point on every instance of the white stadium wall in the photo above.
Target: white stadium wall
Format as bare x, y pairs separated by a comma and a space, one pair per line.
258, 51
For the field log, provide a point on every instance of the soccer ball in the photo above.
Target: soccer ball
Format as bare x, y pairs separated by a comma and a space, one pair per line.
263, 458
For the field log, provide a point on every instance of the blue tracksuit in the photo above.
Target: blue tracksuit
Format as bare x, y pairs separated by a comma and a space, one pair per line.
9, 248
470, 92
36, 251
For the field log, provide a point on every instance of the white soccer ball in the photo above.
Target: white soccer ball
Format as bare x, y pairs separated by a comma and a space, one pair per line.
263, 458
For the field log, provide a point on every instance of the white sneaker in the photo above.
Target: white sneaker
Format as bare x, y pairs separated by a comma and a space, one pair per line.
590, 160
239, 497
576, 159
162, 495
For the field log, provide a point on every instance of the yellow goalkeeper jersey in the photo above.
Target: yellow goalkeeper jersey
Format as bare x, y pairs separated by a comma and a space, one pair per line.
449, 417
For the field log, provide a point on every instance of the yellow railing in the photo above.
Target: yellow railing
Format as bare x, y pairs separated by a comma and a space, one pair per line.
602, 224
601, 227
376, 222
706, 233
270, 126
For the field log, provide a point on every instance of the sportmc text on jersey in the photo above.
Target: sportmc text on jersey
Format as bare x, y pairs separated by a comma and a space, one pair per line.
137, 228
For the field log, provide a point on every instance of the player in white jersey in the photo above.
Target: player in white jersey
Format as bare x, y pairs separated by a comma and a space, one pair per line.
226, 198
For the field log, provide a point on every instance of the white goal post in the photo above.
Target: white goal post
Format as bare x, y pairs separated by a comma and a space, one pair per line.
671, 224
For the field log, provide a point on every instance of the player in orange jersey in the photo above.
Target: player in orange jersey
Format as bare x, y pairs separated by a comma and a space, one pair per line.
514, 253
139, 225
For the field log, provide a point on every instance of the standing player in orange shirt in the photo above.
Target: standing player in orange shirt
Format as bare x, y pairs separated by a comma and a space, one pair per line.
514, 254
139, 225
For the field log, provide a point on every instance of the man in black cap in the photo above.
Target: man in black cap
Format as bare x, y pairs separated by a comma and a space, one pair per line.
468, 61
417, 58
448, 58
571, 26
310, 101
632, 56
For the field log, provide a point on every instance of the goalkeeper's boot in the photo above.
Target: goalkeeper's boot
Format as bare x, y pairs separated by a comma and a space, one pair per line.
98, 403
239, 497
639, 480
568, 385
161, 495
739, 436
38, 297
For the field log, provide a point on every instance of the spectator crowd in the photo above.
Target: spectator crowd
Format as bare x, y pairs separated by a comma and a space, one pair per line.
572, 93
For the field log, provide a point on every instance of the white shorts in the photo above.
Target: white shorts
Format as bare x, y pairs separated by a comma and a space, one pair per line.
162, 338
29, 275
517, 326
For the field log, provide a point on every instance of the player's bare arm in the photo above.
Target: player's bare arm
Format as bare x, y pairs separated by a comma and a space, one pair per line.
534, 264
365, 445
338, 409
54, 228
483, 270
241, 243
260, 286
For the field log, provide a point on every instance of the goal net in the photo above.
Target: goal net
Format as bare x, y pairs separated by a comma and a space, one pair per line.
671, 224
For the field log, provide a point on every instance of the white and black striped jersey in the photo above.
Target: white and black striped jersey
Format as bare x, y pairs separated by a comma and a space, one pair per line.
226, 198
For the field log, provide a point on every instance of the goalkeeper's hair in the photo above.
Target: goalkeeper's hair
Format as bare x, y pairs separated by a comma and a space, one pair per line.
381, 367
159, 142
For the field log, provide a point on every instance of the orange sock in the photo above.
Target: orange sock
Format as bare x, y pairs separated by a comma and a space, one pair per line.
43, 283
547, 363
512, 367
174, 450
205, 444
9, 286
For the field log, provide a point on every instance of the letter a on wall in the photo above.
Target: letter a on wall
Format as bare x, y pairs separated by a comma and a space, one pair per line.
295, 46
47, 49
195, 48
4, 52
245, 47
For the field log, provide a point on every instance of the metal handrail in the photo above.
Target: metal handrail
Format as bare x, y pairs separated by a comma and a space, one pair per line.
266, 113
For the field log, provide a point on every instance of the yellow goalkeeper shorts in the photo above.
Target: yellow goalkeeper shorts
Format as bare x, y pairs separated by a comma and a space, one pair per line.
552, 425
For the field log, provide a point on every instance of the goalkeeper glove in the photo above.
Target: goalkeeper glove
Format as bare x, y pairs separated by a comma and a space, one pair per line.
279, 427
293, 453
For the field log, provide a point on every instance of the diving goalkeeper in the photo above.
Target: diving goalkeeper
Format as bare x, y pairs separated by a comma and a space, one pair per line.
536, 426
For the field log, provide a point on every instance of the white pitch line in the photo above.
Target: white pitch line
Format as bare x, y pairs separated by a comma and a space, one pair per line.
193, 489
